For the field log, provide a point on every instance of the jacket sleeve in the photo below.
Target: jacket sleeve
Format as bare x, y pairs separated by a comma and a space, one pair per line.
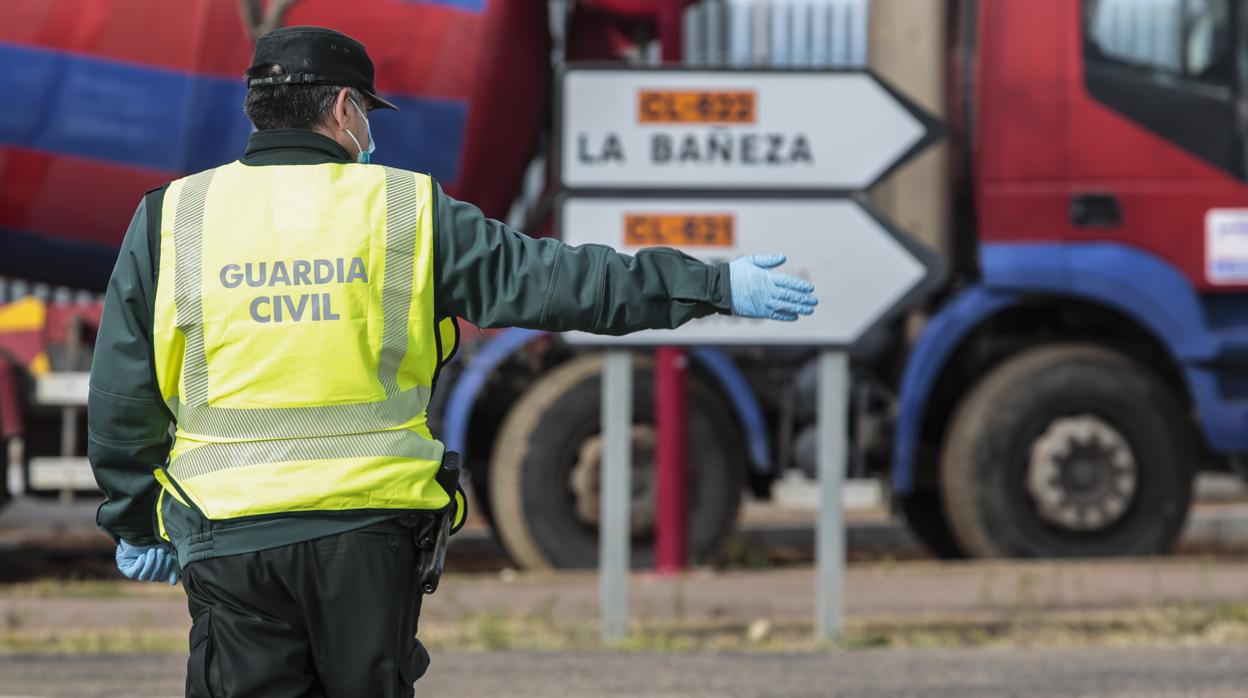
494, 276
127, 422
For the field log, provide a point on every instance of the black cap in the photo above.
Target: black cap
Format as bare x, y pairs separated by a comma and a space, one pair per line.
316, 56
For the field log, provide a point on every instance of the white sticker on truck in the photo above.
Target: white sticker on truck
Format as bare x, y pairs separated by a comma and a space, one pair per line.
1226, 245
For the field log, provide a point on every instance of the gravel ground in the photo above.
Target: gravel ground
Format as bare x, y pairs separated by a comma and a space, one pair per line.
974, 673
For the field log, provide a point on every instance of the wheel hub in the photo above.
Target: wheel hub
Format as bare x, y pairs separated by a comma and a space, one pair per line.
1082, 473
585, 479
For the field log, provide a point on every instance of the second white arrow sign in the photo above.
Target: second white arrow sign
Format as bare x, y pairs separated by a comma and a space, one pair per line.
861, 268
696, 129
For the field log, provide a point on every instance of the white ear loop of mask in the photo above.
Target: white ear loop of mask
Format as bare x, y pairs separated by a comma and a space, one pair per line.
363, 156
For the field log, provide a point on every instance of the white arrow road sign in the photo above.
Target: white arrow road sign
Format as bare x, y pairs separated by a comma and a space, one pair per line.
750, 130
861, 268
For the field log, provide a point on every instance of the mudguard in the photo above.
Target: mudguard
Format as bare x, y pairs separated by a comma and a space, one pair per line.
500, 347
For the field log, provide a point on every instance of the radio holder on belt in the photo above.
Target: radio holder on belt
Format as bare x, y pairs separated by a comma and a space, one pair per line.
434, 533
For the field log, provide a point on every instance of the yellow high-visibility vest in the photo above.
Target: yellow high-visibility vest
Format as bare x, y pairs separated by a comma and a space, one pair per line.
296, 340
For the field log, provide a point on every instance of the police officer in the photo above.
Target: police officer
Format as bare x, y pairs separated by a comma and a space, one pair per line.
289, 313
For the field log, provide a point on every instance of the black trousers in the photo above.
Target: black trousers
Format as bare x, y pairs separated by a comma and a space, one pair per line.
332, 617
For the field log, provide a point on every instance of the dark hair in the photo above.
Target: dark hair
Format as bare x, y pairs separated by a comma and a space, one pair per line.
290, 106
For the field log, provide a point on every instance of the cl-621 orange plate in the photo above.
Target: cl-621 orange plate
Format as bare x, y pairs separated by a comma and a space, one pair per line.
679, 229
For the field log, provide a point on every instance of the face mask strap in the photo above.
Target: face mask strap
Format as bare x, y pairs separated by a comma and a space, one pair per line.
362, 156
353, 140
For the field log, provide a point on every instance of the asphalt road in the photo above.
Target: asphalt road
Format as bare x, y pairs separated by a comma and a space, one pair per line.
972, 673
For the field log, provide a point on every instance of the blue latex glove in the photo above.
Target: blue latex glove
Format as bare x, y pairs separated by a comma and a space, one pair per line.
757, 292
147, 563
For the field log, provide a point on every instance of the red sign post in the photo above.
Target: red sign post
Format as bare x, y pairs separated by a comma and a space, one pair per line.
671, 545
671, 395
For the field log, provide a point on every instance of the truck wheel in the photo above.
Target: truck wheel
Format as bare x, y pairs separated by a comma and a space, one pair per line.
924, 512
544, 473
1068, 451
5, 495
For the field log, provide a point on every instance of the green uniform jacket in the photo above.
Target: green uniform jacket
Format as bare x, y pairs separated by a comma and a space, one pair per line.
485, 272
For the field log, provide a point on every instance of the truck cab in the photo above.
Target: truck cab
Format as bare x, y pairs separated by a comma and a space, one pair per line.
1090, 358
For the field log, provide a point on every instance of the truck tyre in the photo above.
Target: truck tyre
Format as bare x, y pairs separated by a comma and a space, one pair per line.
924, 512
1068, 451
544, 470
5, 495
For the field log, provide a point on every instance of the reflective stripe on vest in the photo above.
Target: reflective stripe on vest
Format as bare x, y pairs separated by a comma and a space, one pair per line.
297, 343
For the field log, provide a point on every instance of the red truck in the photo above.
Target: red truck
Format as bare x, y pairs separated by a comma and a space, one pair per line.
1086, 357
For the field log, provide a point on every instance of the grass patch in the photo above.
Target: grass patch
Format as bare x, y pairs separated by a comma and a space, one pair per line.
1178, 624
540, 630
93, 641
87, 589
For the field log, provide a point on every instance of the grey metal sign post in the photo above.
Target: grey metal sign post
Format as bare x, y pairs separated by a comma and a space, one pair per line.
724, 163
832, 404
614, 529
